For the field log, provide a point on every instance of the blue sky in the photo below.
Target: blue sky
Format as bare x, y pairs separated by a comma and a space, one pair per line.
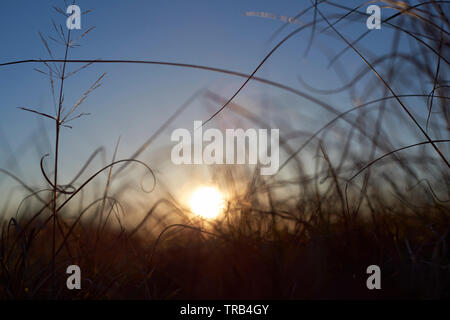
135, 99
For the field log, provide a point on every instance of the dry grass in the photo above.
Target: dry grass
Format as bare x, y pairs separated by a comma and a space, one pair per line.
370, 199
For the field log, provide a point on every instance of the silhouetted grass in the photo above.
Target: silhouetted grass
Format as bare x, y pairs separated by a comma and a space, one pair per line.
295, 235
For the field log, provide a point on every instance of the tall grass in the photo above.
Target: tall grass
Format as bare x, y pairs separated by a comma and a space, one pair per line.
349, 193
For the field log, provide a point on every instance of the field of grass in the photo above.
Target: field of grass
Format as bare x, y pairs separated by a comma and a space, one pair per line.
368, 186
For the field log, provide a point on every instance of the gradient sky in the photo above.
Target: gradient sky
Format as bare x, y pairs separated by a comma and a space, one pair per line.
135, 99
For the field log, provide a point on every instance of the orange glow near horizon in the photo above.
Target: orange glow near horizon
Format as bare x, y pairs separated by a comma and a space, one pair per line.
207, 202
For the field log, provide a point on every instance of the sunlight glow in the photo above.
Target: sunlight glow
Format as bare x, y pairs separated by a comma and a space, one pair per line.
207, 202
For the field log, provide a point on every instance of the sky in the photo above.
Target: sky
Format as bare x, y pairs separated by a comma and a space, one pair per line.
134, 100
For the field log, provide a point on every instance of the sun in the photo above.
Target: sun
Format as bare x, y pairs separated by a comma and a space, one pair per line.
207, 202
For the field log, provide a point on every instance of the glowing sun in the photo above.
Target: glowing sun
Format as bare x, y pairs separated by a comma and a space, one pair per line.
207, 202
